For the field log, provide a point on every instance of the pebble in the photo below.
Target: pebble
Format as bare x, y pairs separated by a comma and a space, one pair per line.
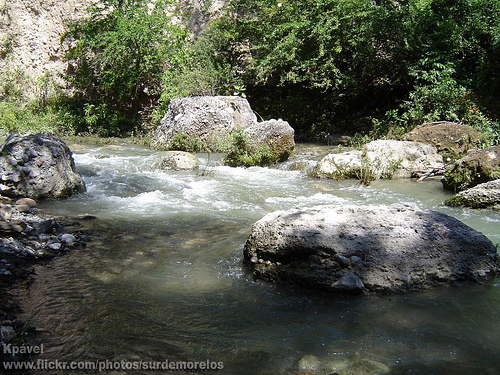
30, 252
342, 260
26, 201
356, 260
315, 259
55, 245
7, 333
5, 272
23, 208
349, 283
45, 226
44, 237
68, 239
331, 264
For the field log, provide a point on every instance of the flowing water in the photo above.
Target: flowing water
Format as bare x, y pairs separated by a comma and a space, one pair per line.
163, 277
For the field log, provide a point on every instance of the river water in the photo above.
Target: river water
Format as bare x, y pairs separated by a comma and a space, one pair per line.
163, 278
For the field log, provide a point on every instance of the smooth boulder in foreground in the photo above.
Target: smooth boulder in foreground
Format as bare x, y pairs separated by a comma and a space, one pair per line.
363, 249
38, 166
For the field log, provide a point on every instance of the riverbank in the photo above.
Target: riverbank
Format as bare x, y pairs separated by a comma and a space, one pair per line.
28, 237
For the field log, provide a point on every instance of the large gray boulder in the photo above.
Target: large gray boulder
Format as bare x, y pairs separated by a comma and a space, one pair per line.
382, 159
486, 195
38, 166
359, 249
277, 134
202, 118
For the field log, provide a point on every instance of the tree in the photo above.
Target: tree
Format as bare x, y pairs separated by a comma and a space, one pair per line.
335, 63
119, 54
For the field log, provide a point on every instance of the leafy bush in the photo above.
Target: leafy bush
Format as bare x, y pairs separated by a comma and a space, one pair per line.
30, 105
204, 67
241, 152
436, 96
336, 65
184, 142
119, 54
16, 117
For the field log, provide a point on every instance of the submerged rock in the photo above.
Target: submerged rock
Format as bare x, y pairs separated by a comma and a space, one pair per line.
451, 139
381, 159
38, 166
477, 167
486, 195
78, 147
348, 365
202, 118
177, 160
397, 248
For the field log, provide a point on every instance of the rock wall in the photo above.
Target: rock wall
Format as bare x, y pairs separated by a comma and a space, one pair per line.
31, 30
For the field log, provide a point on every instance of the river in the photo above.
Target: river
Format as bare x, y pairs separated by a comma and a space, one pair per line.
163, 277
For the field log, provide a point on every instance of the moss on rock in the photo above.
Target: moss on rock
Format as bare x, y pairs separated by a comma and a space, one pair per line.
477, 167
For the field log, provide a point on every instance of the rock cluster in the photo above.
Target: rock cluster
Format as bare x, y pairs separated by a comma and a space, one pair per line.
38, 166
367, 249
26, 234
26, 237
209, 121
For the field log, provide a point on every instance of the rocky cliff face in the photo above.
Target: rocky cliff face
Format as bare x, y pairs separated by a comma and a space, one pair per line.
31, 30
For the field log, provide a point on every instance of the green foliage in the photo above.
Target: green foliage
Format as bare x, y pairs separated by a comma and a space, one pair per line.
184, 142
241, 152
467, 174
327, 66
119, 54
16, 117
30, 105
436, 97
203, 67
457, 201
335, 65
